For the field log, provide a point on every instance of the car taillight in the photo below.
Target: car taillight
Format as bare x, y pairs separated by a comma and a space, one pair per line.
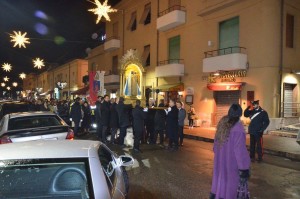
70, 135
5, 140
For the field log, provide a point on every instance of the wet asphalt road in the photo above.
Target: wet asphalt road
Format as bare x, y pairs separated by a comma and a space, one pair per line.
187, 173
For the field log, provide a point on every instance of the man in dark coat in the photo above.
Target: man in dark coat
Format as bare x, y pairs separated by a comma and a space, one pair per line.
160, 122
181, 118
139, 115
105, 117
123, 113
172, 125
98, 117
259, 122
114, 120
150, 136
76, 115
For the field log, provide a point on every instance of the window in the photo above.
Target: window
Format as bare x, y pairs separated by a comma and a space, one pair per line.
116, 30
289, 37
146, 17
115, 63
33, 122
146, 55
174, 49
229, 35
132, 23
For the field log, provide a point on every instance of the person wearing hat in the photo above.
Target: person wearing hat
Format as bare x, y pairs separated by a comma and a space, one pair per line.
231, 158
259, 122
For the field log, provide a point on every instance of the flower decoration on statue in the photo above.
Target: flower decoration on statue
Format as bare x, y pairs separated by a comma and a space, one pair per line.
101, 10
38, 63
6, 67
19, 39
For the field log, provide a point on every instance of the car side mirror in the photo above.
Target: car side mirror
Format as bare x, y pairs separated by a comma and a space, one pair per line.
126, 160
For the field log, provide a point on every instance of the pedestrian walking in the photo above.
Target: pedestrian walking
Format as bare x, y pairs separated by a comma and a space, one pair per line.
76, 115
123, 113
172, 125
259, 123
86, 120
139, 115
191, 116
114, 120
105, 117
160, 123
181, 118
231, 158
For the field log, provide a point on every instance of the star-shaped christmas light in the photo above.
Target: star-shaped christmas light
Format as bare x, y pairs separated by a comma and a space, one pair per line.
19, 39
22, 75
8, 88
6, 67
15, 84
38, 63
102, 10
6, 79
2, 84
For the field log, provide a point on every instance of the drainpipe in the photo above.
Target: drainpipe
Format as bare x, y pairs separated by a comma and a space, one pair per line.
281, 56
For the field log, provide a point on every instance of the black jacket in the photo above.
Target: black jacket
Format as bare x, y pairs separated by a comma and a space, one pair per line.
105, 113
76, 113
160, 119
172, 120
114, 118
123, 113
138, 119
259, 120
98, 112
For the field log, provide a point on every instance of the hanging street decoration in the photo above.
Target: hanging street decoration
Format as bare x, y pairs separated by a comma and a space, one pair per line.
22, 75
38, 63
3, 84
6, 79
6, 67
102, 10
19, 39
8, 88
15, 84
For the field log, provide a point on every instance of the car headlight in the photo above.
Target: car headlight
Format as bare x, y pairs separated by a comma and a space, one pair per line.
94, 125
93, 107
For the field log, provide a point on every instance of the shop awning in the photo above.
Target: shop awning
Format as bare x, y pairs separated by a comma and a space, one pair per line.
49, 92
170, 87
82, 91
231, 86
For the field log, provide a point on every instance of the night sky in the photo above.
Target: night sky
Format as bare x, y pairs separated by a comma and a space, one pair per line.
60, 30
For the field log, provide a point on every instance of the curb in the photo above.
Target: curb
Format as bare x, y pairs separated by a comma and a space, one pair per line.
288, 155
284, 134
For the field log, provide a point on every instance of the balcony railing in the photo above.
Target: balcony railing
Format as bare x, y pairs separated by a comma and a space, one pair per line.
225, 51
170, 61
290, 109
170, 9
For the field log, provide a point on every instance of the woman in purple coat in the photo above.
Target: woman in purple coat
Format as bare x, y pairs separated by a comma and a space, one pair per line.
231, 161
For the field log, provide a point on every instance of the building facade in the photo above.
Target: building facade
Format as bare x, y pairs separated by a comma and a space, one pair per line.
211, 53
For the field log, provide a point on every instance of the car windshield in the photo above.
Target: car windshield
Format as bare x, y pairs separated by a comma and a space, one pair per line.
33, 122
14, 108
45, 178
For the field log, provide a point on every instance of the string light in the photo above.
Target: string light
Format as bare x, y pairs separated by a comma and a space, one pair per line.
22, 75
38, 63
19, 39
102, 10
6, 67
3, 84
15, 84
8, 88
6, 79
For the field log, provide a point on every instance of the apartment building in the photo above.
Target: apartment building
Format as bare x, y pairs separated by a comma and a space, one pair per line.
209, 53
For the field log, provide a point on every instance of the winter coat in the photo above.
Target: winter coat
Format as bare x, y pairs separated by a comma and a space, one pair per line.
114, 118
98, 112
259, 120
150, 120
181, 116
86, 120
76, 112
160, 119
172, 121
138, 119
123, 113
105, 113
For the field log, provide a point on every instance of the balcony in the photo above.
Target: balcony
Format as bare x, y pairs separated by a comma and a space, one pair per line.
112, 43
232, 58
171, 18
170, 68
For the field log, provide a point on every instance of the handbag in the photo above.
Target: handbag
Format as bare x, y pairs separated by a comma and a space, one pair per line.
242, 191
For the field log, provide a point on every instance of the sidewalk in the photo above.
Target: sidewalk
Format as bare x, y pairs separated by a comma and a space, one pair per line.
275, 145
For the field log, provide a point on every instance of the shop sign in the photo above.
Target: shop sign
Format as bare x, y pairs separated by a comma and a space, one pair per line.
189, 91
226, 76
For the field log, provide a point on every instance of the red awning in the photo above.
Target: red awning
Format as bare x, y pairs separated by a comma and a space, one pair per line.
231, 86
81, 91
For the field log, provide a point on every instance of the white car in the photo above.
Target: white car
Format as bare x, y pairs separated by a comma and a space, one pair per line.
62, 169
27, 126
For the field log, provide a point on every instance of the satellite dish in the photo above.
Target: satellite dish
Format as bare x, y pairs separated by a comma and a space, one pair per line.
88, 50
94, 36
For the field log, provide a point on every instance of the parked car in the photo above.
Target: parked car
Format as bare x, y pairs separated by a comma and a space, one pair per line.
7, 107
62, 169
26, 126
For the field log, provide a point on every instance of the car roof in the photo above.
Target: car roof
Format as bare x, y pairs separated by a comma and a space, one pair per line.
33, 113
43, 149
